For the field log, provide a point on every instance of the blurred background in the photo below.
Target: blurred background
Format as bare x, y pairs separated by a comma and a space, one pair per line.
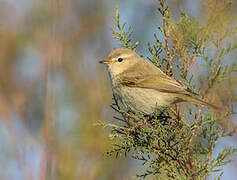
53, 90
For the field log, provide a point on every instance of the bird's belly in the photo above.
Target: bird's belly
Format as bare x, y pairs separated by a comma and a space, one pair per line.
144, 100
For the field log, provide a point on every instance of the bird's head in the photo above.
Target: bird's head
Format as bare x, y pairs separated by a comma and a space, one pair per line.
120, 60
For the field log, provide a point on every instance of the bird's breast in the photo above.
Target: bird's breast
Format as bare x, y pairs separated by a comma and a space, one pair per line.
142, 99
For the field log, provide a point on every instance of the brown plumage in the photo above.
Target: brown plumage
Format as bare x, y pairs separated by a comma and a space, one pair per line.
142, 86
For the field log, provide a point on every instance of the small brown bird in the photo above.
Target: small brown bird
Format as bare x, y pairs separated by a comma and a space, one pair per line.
142, 86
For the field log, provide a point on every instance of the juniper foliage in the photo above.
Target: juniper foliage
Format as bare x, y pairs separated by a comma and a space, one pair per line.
178, 143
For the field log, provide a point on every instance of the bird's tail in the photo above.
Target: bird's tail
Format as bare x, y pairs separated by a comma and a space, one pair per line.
197, 101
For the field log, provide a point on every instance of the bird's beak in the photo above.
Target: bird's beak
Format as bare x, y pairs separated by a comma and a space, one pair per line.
104, 62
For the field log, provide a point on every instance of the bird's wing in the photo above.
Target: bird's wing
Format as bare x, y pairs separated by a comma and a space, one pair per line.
159, 83
147, 75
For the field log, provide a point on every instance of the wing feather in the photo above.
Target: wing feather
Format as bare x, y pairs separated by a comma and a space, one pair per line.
153, 79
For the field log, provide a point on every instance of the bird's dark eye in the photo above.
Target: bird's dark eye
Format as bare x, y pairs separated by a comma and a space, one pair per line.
120, 59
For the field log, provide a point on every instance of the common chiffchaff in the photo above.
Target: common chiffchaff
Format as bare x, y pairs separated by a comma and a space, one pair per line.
142, 86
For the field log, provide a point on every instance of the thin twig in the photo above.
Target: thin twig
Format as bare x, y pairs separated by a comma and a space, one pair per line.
210, 153
177, 115
192, 59
166, 38
191, 164
183, 167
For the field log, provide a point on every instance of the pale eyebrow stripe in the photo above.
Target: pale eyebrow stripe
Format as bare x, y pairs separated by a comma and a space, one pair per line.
123, 56
127, 55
